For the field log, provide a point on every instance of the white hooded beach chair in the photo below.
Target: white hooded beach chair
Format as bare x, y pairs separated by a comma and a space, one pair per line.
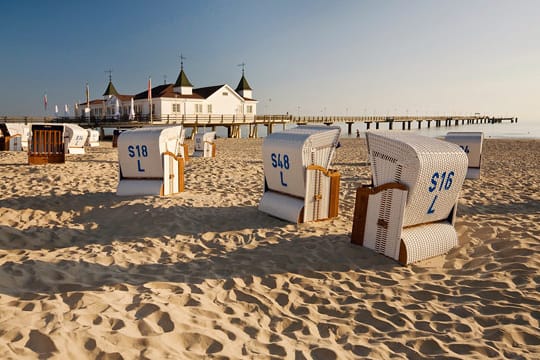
471, 143
298, 184
149, 161
409, 212
75, 138
205, 145
13, 136
46, 144
92, 139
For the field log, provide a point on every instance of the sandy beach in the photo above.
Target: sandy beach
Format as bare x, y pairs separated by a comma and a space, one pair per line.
85, 274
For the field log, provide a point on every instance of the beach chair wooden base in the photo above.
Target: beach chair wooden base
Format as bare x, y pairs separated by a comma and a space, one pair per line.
378, 225
36, 159
171, 183
319, 204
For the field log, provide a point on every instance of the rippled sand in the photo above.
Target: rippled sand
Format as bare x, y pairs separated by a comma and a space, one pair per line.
204, 274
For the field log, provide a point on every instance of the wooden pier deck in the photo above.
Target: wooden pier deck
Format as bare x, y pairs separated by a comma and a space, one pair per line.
233, 122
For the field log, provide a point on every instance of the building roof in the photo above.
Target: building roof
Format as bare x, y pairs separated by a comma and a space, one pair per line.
206, 92
243, 84
166, 90
182, 80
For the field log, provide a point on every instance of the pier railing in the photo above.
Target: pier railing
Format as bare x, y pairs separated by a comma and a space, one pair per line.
233, 122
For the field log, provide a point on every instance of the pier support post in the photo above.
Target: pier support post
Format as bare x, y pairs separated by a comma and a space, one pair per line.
349, 128
428, 123
403, 126
419, 124
377, 125
390, 125
368, 124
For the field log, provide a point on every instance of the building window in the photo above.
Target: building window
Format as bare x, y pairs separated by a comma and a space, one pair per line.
250, 109
209, 108
198, 108
225, 93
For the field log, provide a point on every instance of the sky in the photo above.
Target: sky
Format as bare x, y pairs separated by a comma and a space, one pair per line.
302, 57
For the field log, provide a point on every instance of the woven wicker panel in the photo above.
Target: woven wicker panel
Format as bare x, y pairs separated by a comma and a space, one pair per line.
317, 198
433, 171
426, 241
384, 220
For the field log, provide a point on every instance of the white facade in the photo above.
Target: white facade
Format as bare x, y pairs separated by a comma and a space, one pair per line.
171, 101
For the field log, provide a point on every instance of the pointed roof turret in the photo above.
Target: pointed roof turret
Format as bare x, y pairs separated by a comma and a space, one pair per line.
243, 84
182, 85
182, 79
243, 88
110, 90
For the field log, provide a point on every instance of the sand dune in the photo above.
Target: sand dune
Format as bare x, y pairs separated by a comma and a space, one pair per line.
204, 274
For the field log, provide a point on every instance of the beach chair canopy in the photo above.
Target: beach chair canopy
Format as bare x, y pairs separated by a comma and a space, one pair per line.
148, 160
296, 173
409, 213
471, 143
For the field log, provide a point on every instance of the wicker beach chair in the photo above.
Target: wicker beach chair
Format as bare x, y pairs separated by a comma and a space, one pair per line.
13, 136
75, 138
205, 145
298, 184
149, 161
409, 212
471, 143
92, 139
46, 144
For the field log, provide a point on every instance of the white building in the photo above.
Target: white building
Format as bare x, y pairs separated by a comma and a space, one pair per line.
174, 101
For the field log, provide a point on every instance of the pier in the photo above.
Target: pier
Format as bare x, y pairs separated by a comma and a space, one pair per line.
233, 122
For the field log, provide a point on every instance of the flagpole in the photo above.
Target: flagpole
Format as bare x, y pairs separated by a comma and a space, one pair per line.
87, 109
150, 97
45, 102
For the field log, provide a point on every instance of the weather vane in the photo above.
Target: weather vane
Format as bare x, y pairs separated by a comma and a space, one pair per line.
182, 58
110, 74
243, 65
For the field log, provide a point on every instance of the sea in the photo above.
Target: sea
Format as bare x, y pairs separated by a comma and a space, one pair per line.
522, 129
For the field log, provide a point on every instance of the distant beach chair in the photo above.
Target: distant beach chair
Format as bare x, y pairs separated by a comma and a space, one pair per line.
13, 137
408, 213
205, 145
93, 138
75, 138
10, 140
46, 144
149, 161
471, 143
298, 184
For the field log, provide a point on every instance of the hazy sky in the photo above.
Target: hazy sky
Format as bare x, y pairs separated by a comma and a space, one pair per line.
309, 57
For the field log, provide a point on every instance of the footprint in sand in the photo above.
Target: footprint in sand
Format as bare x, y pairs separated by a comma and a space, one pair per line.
40, 343
153, 321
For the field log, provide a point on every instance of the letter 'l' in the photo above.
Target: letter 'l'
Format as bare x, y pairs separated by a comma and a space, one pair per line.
431, 210
282, 181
